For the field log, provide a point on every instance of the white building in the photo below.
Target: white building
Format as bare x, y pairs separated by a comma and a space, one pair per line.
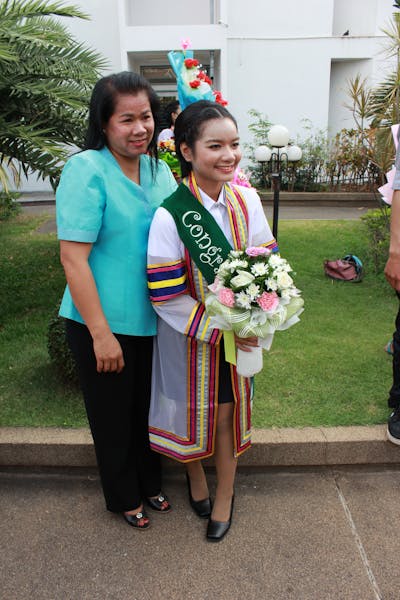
289, 59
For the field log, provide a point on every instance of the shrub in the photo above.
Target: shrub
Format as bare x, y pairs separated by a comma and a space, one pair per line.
377, 222
58, 349
8, 205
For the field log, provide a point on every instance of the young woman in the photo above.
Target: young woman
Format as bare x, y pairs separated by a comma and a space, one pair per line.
105, 202
200, 405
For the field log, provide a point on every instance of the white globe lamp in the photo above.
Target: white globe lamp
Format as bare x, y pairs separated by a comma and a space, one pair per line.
294, 153
262, 154
278, 136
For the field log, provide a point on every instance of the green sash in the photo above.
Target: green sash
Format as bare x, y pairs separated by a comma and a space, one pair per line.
205, 240
199, 232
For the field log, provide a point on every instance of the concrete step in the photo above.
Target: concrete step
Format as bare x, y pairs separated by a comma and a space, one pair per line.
309, 446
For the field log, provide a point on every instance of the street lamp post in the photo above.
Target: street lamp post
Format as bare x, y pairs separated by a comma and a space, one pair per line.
278, 137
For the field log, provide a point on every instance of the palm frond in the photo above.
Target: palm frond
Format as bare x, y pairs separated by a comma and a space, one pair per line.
45, 81
24, 9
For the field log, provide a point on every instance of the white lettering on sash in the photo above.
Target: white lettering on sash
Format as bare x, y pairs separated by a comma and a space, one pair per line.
202, 239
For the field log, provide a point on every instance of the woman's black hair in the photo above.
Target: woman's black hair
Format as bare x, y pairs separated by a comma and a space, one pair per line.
189, 124
172, 107
102, 106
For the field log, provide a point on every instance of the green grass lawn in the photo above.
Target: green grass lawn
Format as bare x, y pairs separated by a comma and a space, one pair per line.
330, 369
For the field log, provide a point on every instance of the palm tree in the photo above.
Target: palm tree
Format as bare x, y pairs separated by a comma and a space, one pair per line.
45, 80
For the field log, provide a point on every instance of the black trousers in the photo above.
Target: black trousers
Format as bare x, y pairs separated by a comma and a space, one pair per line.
394, 394
117, 406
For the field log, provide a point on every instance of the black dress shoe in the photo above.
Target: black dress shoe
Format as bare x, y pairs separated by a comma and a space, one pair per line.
202, 508
216, 530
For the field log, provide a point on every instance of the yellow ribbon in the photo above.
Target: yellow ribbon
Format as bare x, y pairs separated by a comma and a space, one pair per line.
230, 347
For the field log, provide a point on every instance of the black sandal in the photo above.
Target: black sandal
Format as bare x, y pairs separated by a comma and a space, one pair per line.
135, 520
158, 503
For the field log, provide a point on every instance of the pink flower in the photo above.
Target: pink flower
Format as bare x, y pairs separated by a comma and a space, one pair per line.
216, 285
226, 297
268, 301
186, 43
257, 251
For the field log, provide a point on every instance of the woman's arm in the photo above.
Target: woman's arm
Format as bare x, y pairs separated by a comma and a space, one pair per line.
74, 258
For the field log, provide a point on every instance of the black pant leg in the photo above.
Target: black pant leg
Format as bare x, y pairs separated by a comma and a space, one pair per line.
117, 407
148, 462
394, 394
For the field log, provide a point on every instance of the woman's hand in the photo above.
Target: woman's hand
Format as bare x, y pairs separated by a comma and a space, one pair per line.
108, 353
246, 344
392, 272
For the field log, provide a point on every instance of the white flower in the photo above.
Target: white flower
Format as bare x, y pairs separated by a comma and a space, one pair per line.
241, 279
275, 260
243, 300
271, 284
284, 280
238, 264
236, 253
259, 268
286, 294
253, 291
295, 293
224, 270
225, 265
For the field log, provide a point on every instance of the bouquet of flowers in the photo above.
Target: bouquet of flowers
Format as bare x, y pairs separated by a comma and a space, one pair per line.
253, 295
167, 153
193, 82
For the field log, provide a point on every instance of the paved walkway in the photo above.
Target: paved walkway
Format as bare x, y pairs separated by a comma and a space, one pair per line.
326, 534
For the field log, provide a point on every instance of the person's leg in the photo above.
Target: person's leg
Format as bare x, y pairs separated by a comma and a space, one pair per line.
112, 402
198, 481
393, 430
225, 463
394, 394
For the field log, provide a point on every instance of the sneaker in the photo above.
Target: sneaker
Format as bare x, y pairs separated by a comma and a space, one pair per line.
393, 427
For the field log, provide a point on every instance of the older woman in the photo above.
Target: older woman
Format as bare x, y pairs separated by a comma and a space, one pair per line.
105, 202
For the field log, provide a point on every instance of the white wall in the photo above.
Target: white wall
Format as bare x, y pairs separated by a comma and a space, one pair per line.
280, 18
340, 117
101, 32
359, 17
168, 12
283, 79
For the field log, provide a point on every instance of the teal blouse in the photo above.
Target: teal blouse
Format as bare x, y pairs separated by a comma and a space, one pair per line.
96, 203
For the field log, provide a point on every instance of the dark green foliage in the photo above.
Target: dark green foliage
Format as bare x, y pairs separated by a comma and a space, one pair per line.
59, 352
377, 223
45, 81
8, 205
